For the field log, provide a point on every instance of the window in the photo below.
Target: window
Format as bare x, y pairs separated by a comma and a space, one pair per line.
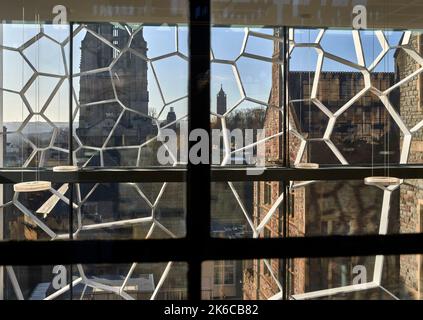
224, 272
267, 192
100, 93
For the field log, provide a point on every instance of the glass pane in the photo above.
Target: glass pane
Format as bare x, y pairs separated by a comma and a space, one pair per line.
130, 211
244, 63
34, 94
347, 111
35, 282
356, 278
129, 92
101, 211
346, 278
137, 281
125, 93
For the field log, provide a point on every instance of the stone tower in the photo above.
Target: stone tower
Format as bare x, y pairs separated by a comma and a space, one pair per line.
221, 101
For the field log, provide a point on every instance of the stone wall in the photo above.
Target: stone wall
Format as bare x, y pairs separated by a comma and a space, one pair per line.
411, 194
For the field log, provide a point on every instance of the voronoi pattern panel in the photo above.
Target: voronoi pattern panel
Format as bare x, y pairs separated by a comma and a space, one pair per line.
357, 63
356, 60
245, 71
123, 98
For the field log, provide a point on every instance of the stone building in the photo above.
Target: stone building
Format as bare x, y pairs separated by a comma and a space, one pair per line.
361, 132
99, 114
221, 103
325, 207
411, 195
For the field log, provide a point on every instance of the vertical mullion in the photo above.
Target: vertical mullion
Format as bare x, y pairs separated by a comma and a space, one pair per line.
198, 175
70, 146
2, 148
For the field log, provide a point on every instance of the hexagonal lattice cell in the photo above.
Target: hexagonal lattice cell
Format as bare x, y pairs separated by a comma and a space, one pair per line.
306, 35
180, 108
225, 77
39, 132
345, 202
92, 47
56, 108
132, 129
246, 115
114, 202
57, 32
15, 110
39, 93
165, 35
19, 70
334, 42
46, 56
94, 135
256, 78
338, 84
304, 59
93, 88
311, 122
225, 205
361, 135
227, 42
130, 80
18, 150
173, 85
259, 47
16, 35
324, 152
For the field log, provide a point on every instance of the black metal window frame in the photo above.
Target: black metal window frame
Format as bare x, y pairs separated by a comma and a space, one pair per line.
198, 246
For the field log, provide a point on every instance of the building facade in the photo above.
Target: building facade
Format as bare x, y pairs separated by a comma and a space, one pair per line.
364, 134
411, 196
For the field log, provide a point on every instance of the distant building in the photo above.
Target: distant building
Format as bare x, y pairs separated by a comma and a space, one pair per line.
97, 119
100, 117
171, 118
221, 104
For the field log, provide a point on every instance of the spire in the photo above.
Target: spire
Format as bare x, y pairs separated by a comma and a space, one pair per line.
221, 101
221, 92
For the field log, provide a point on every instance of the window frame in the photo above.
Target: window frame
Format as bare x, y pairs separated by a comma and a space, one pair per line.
198, 246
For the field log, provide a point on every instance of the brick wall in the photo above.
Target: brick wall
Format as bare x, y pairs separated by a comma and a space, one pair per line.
411, 194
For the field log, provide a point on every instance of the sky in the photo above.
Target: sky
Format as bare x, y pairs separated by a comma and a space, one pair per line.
172, 72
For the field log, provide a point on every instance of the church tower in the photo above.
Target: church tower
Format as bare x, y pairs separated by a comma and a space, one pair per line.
221, 101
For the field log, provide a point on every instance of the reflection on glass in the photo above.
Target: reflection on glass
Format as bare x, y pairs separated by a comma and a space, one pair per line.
122, 94
352, 278
137, 281
125, 91
129, 81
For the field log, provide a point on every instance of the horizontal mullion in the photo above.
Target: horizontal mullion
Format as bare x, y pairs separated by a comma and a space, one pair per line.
323, 173
94, 175
160, 174
126, 251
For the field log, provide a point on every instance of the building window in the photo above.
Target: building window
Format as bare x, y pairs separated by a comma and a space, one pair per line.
267, 193
224, 272
292, 203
